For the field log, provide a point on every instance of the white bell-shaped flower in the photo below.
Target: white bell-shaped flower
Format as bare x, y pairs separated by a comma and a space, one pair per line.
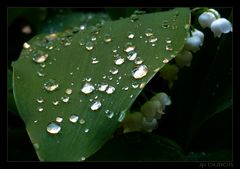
184, 59
193, 43
198, 34
149, 126
150, 108
163, 98
206, 18
220, 26
133, 122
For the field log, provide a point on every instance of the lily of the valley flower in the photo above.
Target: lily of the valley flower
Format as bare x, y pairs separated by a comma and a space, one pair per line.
150, 108
194, 42
206, 18
220, 26
184, 59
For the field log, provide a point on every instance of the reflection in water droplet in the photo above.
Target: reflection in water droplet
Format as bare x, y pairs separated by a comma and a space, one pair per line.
40, 100
140, 71
130, 35
149, 32
125, 88
165, 60
129, 47
89, 46
71, 73
26, 45
82, 121
53, 128
86, 130
107, 38
87, 88
119, 61
40, 109
121, 116
93, 38
43, 65
73, 118
96, 105
110, 90
109, 114
110, 77
68, 91
65, 99
168, 40
59, 119
138, 61
132, 55
135, 85
51, 85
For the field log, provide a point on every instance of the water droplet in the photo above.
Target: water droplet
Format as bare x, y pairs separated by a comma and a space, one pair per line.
165, 60
53, 128
102, 86
125, 88
82, 42
51, 85
65, 99
94, 30
39, 57
93, 38
169, 47
94, 61
87, 88
121, 116
110, 90
157, 69
68, 91
131, 96
96, 105
165, 24
26, 45
142, 85
129, 47
40, 100
130, 35
35, 121
89, 46
83, 158
18, 77
110, 77
109, 114
140, 72
82, 121
138, 61
55, 102
135, 85
149, 32
43, 65
73, 118
71, 73
119, 60
132, 55
88, 79
77, 68
82, 27
40, 109
168, 40
107, 38
36, 146
113, 70
152, 39
86, 130
174, 26
59, 119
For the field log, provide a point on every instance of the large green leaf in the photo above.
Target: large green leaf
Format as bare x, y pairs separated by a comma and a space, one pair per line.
71, 65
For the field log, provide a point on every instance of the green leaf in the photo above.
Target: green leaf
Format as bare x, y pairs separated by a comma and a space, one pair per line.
69, 64
139, 147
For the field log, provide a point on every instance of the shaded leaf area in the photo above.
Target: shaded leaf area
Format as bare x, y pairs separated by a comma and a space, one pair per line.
139, 147
71, 65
